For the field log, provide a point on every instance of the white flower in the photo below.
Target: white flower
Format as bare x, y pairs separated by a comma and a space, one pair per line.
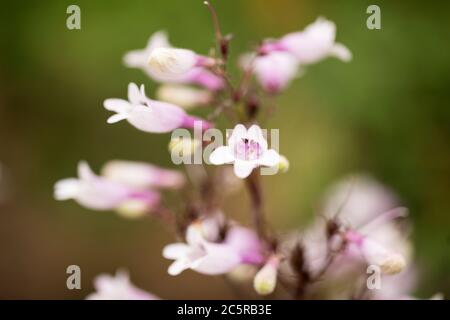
149, 115
139, 58
100, 193
247, 149
118, 287
311, 45
205, 252
275, 70
196, 75
184, 96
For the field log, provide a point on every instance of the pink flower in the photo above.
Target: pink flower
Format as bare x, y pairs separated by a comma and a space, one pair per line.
118, 287
313, 44
247, 149
142, 175
99, 193
150, 115
274, 71
202, 254
188, 67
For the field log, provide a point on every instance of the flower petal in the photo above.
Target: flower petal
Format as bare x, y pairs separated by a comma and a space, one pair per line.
341, 52
242, 169
134, 94
255, 133
269, 158
177, 267
221, 155
175, 250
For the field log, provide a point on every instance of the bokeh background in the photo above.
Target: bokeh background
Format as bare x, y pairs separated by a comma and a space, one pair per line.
386, 113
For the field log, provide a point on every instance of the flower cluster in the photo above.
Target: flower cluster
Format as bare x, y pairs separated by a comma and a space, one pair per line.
357, 226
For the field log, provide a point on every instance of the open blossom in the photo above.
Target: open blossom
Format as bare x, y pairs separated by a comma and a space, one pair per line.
118, 287
311, 45
99, 193
205, 252
142, 175
184, 96
247, 149
274, 71
150, 115
193, 72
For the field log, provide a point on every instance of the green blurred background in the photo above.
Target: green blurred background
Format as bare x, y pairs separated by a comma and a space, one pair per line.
387, 113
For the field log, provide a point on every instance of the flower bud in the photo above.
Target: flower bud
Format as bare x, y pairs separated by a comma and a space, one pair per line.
266, 278
133, 209
171, 61
283, 165
184, 146
183, 96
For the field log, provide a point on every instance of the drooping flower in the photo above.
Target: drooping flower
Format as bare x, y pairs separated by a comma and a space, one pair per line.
184, 96
195, 75
266, 279
274, 71
142, 175
247, 149
118, 287
99, 193
205, 252
311, 45
150, 115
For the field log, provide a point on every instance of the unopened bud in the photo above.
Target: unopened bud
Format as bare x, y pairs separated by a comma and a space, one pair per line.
265, 280
183, 96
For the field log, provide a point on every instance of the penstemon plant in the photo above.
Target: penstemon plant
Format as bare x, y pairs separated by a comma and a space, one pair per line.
354, 249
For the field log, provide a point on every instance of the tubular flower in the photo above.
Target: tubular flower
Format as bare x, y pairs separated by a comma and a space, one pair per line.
150, 115
311, 45
247, 149
266, 278
202, 254
184, 96
99, 193
185, 68
142, 175
118, 287
169, 62
274, 71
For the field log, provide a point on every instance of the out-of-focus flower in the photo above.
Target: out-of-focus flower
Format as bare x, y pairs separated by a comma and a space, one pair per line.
283, 164
195, 75
170, 62
99, 193
311, 45
274, 71
150, 115
142, 175
359, 198
118, 287
266, 278
184, 146
247, 149
367, 235
205, 252
184, 96
389, 261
